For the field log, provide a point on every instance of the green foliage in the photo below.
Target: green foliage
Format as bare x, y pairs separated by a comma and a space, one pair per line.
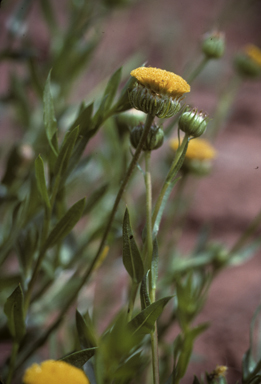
14, 310
131, 256
53, 251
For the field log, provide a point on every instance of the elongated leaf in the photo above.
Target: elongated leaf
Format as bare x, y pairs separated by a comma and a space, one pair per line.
162, 207
186, 349
95, 197
78, 359
154, 264
83, 120
131, 256
66, 224
49, 116
40, 179
66, 151
108, 97
85, 331
144, 322
14, 310
144, 295
112, 86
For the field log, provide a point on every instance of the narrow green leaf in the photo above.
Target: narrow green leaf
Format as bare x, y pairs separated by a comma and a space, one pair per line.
112, 86
196, 380
85, 331
108, 96
186, 349
154, 264
83, 120
145, 320
40, 179
162, 207
144, 295
66, 224
95, 198
14, 310
78, 359
66, 151
49, 116
131, 256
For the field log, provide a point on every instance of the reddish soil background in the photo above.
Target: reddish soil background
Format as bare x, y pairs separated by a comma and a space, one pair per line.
166, 33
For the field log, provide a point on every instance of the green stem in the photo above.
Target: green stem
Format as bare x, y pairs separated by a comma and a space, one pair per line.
149, 248
88, 272
149, 241
248, 232
226, 99
197, 70
155, 358
15, 348
166, 188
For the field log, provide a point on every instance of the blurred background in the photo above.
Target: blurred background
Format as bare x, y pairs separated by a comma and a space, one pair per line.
166, 34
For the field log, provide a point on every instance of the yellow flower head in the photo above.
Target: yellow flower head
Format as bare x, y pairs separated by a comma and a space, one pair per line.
220, 370
198, 149
161, 81
54, 372
254, 53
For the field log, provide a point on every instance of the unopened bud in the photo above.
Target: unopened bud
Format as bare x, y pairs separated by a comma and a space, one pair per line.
193, 122
153, 141
213, 45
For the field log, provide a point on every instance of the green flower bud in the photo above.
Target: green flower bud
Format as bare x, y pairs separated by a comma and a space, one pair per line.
154, 139
246, 67
213, 45
193, 122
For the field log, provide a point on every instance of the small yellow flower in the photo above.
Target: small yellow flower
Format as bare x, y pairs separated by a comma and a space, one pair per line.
54, 372
254, 53
198, 149
157, 92
161, 81
221, 370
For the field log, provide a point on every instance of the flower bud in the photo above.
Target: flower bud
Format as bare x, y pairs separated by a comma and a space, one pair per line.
213, 45
154, 139
248, 62
193, 122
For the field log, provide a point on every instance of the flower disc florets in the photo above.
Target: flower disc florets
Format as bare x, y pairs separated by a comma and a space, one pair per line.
153, 141
54, 372
193, 122
157, 92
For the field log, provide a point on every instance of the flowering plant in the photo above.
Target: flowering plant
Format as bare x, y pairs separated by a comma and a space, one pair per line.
92, 277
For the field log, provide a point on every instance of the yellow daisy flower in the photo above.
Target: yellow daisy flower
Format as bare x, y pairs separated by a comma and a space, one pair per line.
198, 149
161, 81
54, 372
157, 92
254, 53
